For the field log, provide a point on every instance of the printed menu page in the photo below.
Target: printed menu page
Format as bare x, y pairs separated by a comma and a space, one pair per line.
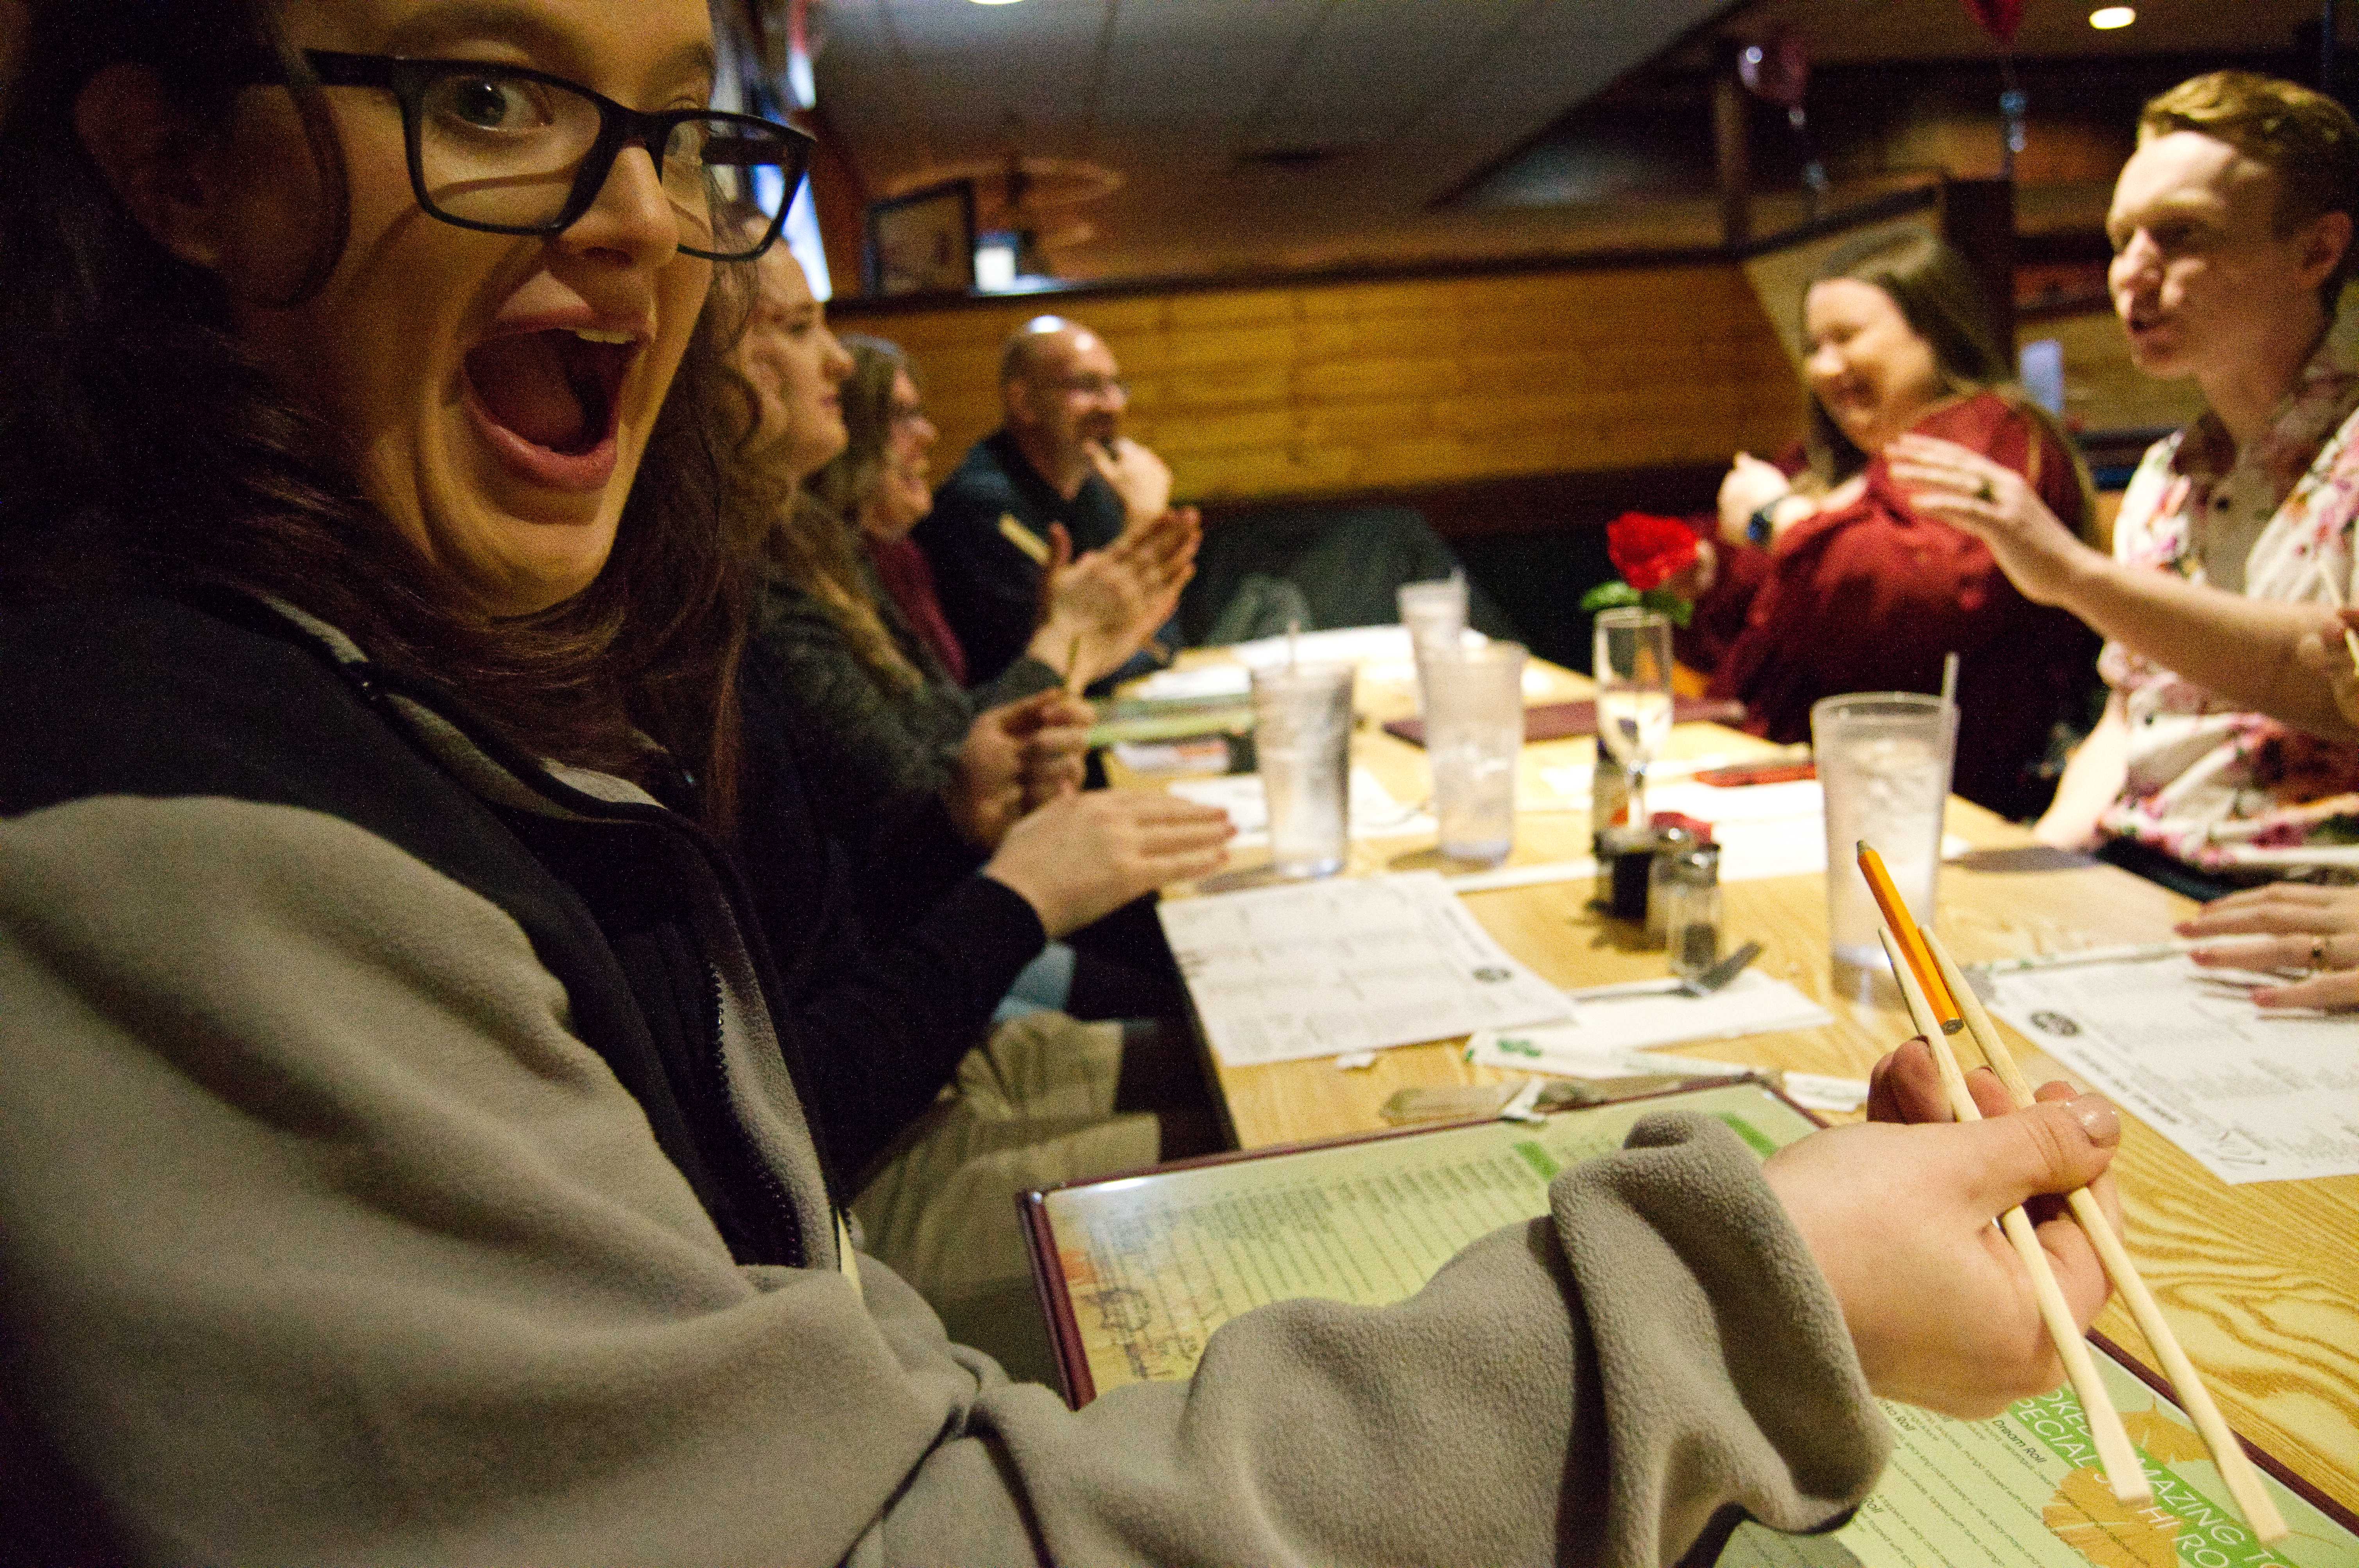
1346, 964
1154, 1264
2254, 1096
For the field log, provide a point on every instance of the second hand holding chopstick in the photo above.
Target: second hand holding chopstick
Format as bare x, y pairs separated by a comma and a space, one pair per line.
2228, 1455
2124, 1474
2335, 598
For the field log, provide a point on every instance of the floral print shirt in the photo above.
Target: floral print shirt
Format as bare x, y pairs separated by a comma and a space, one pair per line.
2215, 786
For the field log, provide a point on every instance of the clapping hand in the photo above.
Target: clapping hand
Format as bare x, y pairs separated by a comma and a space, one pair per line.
1016, 758
1750, 485
1100, 608
1084, 856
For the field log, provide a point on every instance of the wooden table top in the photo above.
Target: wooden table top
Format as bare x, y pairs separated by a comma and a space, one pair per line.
2260, 1281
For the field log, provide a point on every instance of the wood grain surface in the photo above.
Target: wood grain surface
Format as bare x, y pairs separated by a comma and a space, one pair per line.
1330, 387
2261, 1280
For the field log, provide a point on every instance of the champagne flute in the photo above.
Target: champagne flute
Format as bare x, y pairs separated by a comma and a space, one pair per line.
1633, 669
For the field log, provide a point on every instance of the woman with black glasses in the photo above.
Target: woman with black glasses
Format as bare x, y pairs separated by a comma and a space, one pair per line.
400, 1158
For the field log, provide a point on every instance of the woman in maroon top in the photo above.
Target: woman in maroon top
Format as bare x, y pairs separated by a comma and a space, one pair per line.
1824, 579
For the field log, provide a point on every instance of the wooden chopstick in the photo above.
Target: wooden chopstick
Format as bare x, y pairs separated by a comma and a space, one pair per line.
2227, 1454
2124, 1474
1074, 669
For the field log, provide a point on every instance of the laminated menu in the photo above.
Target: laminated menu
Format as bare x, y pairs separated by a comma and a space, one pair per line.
1137, 1272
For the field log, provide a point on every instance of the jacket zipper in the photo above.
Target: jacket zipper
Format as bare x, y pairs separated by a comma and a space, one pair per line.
782, 1206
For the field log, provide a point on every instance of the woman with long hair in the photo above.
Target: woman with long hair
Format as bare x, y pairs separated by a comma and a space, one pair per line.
402, 1156
900, 969
853, 614
1825, 577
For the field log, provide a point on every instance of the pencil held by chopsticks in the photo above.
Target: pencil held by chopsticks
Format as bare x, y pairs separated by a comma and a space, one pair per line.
2228, 1454
1920, 982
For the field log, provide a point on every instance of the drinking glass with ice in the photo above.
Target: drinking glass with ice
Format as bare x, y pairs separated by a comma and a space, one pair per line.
1884, 765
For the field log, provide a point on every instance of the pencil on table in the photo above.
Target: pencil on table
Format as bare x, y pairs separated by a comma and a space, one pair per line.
2124, 1474
1919, 982
2228, 1454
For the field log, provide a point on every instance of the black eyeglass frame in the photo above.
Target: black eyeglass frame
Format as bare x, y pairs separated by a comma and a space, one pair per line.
619, 126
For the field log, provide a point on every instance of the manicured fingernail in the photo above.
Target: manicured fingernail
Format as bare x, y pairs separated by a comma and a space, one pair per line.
2098, 1119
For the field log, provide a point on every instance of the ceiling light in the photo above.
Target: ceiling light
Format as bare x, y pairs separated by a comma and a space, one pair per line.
2105, 18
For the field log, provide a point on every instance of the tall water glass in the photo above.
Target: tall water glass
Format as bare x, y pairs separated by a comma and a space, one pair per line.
1474, 730
1632, 664
1435, 614
1884, 762
1302, 737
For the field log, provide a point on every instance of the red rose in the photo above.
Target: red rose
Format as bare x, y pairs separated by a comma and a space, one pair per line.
1647, 550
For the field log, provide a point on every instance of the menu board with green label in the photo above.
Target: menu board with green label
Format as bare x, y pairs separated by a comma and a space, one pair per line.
1139, 1270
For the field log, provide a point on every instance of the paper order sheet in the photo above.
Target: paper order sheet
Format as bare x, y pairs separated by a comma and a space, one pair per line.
1154, 1264
2253, 1095
1347, 964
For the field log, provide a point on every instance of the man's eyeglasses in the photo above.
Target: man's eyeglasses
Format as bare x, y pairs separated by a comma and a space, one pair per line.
1094, 385
511, 151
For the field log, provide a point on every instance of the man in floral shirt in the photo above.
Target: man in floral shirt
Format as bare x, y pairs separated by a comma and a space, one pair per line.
2222, 756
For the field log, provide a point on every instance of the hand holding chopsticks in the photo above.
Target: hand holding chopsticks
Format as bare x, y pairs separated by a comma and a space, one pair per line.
1942, 1005
2235, 1467
2124, 1474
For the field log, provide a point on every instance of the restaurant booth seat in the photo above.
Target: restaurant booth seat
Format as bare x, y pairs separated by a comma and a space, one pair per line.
1345, 562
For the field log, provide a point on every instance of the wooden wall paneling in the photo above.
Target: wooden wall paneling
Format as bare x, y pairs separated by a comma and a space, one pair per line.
2102, 390
1266, 391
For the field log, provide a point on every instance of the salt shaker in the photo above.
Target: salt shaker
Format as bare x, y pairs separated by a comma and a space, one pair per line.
1671, 842
1689, 897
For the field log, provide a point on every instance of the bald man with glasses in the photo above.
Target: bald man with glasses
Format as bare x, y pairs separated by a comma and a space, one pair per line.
1059, 461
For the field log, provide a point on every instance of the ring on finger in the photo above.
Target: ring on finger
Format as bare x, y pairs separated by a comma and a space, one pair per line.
1986, 492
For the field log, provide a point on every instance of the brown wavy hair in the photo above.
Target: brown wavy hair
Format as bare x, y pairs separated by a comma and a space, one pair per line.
1944, 303
2304, 138
141, 448
817, 545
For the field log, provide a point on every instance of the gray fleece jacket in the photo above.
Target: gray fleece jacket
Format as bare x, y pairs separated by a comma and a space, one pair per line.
326, 1241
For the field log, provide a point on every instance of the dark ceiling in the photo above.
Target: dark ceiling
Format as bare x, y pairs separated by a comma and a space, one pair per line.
1193, 137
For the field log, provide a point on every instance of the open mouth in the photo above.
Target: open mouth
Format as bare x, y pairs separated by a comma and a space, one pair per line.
549, 402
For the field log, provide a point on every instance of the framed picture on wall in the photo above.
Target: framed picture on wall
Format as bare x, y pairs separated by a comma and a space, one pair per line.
923, 243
